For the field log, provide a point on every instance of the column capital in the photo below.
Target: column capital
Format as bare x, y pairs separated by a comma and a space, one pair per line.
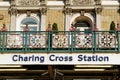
98, 10
43, 11
67, 2
12, 11
68, 11
98, 2
43, 2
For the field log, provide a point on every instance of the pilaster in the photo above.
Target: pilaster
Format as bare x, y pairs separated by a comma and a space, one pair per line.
43, 12
98, 11
68, 12
13, 13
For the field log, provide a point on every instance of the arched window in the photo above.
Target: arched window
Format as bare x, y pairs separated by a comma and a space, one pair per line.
32, 23
82, 25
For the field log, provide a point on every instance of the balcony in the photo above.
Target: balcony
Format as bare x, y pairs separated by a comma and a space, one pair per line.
61, 42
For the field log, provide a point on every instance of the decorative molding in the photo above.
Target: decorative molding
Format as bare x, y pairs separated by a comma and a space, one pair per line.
82, 2
42, 2
67, 2
98, 9
82, 12
43, 11
98, 2
28, 2
12, 11
68, 11
28, 13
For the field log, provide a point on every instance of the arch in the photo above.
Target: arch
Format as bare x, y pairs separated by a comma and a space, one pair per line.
29, 20
85, 20
21, 19
87, 15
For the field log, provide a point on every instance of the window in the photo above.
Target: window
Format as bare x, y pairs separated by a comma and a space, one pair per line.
82, 26
32, 23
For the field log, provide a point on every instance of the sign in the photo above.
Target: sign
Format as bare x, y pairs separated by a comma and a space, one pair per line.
60, 59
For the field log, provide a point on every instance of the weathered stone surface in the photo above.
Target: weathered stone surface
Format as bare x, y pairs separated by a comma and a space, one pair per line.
28, 2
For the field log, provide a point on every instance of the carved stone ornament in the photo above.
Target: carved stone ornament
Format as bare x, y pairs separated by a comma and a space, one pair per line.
67, 2
98, 10
82, 12
12, 11
98, 2
43, 11
79, 2
28, 13
28, 2
42, 2
68, 10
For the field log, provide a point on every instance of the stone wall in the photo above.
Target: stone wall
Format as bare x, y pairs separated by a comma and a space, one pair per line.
107, 16
56, 16
6, 19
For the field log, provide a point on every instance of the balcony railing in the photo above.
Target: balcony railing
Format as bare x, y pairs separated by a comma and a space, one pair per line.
63, 41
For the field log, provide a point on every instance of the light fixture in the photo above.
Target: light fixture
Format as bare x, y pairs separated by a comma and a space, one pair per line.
96, 66
13, 69
89, 69
2, 66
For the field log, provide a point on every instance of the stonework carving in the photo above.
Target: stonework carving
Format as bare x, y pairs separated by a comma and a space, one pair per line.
67, 2
82, 12
28, 2
98, 2
78, 2
12, 11
68, 10
42, 2
98, 10
43, 11
28, 13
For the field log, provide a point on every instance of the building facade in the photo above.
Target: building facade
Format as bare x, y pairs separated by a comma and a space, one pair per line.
91, 19
64, 13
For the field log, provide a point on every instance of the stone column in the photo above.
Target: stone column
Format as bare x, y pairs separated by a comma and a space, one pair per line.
13, 13
68, 12
43, 18
98, 17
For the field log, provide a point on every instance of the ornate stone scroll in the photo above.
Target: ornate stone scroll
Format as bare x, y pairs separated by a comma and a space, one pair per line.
43, 11
12, 10
67, 2
98, 2
28, 2
68, 10
82, 2
98, 9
